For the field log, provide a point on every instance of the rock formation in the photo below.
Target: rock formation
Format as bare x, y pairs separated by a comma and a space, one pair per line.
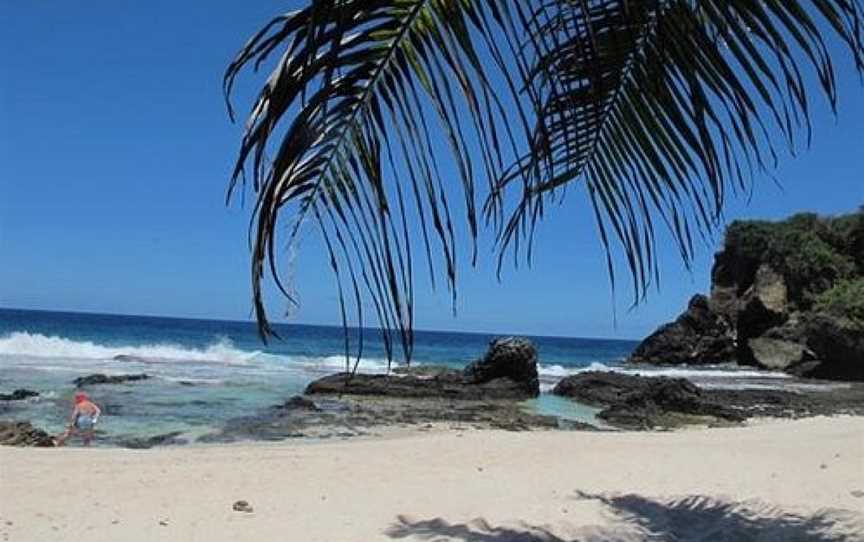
93, 379
23, 434
507, 371
784, 296
642, 402
699, 336
18, 395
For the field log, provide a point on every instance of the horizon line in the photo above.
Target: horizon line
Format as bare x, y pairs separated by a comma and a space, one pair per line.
353, 327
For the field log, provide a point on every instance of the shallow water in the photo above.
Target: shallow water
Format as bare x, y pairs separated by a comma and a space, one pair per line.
206, 372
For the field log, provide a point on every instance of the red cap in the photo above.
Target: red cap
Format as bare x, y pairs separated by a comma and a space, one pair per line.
80, 397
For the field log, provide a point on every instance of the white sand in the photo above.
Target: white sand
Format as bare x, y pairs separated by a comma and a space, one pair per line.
444, 485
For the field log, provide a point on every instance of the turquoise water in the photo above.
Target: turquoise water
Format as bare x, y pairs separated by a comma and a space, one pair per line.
206, 372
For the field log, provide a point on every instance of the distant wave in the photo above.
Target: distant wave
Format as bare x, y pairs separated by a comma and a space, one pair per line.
37, 345
331, 364
702, 371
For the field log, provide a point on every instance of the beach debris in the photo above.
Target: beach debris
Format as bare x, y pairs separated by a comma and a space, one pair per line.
99, 378
857, 493
18, 395
163, 522
242, 506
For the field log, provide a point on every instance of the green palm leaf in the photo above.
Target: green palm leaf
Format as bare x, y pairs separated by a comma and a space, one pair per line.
659, 108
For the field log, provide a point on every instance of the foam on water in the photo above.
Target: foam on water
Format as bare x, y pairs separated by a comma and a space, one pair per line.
697, 372
331, 364
22, 343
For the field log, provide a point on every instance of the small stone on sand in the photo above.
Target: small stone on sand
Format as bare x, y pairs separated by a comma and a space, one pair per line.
242, 506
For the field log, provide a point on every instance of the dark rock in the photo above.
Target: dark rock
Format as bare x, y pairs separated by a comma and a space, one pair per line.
507, 371
242, 506
598, 388
643, 402
451, 385
23, 434
355, 414
838, 343
93, 379
639, 402
804, 369
514, 358
165, 439
422, 370
298, 402
18, 395
699, 336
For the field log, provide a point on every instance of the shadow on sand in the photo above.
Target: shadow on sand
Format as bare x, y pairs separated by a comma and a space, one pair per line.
634, 518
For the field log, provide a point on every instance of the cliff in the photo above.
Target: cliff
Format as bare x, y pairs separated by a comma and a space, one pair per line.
784, 295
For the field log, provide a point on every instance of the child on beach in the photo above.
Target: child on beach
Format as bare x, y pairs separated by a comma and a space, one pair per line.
83, 420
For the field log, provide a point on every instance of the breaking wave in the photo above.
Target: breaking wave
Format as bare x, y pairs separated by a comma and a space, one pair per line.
21, 343
693, 372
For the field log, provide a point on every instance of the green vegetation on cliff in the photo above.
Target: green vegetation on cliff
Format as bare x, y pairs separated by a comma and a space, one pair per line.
814, 254
846, 299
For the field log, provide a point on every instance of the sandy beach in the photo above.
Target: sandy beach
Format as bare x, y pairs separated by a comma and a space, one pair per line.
778, 477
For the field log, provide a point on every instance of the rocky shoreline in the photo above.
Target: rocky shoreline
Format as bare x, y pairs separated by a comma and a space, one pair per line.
646, 402
488, 394
786, 296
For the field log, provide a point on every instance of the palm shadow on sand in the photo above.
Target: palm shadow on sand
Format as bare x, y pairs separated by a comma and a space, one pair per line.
635, 518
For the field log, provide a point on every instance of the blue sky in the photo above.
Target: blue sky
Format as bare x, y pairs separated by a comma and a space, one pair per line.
115, 151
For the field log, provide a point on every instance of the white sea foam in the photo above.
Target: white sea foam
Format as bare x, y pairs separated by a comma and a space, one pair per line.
330, 364
21, 343
695, 372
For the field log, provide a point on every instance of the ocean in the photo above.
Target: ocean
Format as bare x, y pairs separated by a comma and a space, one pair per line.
206, 372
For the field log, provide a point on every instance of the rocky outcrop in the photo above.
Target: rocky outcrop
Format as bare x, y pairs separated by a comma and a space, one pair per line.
451, 385
352, 415
94, 379
511, 358
18, 395
699, 336
640, 402
507, 371
784, 296
644, 402
23, 434
837, 344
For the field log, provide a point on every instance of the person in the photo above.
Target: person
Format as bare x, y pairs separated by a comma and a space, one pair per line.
85, 415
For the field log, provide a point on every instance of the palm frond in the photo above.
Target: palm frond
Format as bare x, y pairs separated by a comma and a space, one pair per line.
659, 107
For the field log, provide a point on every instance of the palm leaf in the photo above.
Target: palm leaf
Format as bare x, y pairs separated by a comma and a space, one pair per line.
660, 108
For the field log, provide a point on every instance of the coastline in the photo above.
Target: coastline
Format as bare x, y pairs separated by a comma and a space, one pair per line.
443, 484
